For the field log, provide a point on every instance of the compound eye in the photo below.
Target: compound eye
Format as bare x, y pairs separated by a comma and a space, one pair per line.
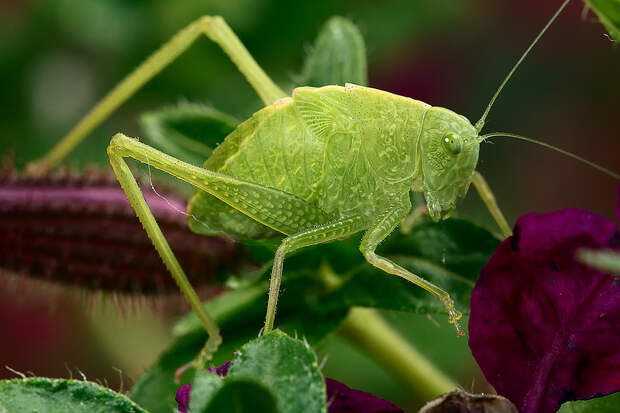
452, 143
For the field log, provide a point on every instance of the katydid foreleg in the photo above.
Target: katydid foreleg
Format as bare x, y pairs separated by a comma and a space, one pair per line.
379, 231
263, 204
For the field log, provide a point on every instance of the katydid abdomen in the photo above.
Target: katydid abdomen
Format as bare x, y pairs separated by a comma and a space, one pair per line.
347, 150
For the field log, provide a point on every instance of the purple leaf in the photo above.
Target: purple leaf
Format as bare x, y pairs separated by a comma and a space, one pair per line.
81, 230
340, 398
543, 327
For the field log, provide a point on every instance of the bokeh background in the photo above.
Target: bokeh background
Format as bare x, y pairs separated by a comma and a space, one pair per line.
58, 57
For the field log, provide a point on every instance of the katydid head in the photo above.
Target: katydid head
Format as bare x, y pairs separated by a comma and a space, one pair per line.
449, 153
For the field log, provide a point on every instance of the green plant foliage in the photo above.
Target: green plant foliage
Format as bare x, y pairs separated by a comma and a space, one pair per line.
205, 385
188, 131
287, 367
319, 287
39, 394
240, 313
338, 56
608, 12
607, 404
239, 396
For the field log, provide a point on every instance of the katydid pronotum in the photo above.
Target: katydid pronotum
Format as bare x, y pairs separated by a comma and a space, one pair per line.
317, 166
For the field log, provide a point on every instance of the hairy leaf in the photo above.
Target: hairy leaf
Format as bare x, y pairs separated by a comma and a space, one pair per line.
188, 131
543, 327
156, 388
608, 12
340, 398
241, 396
275, 373
607, 404
338, 56
39, 394
287, 367
204, 387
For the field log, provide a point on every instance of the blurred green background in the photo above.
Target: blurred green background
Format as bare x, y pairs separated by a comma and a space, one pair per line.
58, 57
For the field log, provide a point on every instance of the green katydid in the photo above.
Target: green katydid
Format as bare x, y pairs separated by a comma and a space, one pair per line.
317, 166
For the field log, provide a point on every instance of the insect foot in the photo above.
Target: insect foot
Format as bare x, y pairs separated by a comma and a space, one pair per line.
206, 354
453, 314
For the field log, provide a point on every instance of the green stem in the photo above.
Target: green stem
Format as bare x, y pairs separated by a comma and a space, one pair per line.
368, 331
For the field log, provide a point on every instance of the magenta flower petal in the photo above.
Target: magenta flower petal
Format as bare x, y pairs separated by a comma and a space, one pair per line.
543, 327
221, 370
618, 206
182, 398
342, 399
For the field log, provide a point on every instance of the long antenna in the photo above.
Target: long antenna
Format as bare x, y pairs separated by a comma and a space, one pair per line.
546, 145
480, 123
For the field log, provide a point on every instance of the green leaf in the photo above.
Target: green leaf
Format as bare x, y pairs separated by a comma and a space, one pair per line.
320, 284
205, 385
285, 366
242, 396
608, 12
156, 389
338, 56
240, 314
42, 395
188, 131
606, 404
275, 373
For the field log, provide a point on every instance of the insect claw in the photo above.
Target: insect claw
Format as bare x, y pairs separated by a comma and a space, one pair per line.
453, 315
459, 331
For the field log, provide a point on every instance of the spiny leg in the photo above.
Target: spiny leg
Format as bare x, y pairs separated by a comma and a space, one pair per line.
318, 235
129, 185
489, 200
281, 211
216, 29
284, 212
384, 225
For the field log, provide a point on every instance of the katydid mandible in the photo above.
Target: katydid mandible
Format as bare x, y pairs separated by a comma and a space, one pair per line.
317, 166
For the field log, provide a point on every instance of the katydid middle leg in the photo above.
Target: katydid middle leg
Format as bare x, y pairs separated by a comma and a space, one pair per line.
331, 231
382, 227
